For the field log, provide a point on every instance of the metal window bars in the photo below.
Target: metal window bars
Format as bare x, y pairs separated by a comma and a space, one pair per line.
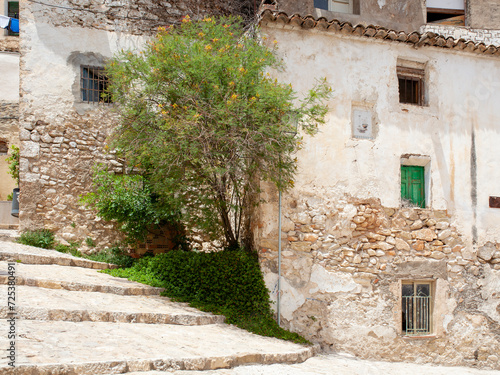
94, 84
417, 312
411, 85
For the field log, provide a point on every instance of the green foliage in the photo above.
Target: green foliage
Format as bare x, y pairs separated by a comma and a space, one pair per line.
128, 200
202, 116
13, 161
90, 242
72, 249
10, 196
39, 238
115, 255
228, 282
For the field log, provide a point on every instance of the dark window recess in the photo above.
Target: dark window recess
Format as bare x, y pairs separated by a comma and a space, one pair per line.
13, 12
94, 84
454, 17
321, 4
416, 309
4, 148
411, 86
494, 202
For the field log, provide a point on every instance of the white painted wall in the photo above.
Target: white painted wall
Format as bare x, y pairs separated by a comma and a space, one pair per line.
462, 90
446, 4
48, 75
9, 76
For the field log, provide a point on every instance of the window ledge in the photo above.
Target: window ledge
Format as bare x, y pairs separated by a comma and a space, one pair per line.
431, 336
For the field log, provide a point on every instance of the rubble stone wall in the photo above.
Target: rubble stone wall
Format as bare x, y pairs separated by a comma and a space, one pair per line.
63, 138
343, 262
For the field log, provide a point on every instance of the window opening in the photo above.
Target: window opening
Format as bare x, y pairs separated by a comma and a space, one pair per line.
4, 148
446, 12
416, 308
94, 84
413, 185
13, 12
411, 85
339, 6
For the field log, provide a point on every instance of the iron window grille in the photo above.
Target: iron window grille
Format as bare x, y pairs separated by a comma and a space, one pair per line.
94, 83
417, 306
411, 85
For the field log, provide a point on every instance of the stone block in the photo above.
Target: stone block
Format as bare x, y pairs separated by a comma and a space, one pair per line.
425, 234
445, 234
30, 149
486, 252
438, 255
402, 245
301, 246
310, 237
418, 224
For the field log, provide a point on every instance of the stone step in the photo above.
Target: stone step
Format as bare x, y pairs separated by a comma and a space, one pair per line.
33, 255
47, 347
57, 304
63, 277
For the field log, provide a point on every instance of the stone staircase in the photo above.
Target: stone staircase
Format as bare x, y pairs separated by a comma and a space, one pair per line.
71, 319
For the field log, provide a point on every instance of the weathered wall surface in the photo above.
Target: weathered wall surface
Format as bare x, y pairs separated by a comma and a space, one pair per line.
62, 138
9, 107
398, 15
483, 14
347, 242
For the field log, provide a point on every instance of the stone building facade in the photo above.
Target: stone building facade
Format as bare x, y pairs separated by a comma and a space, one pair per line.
366, 268
63, 130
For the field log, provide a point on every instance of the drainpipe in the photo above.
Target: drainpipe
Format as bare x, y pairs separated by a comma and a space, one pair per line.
279, 258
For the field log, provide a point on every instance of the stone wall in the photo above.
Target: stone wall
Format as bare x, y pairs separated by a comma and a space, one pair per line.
343, 262
485, 36
63, 137
56, 166
398, 15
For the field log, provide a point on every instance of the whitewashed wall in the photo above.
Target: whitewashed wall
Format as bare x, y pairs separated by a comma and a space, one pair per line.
348, 245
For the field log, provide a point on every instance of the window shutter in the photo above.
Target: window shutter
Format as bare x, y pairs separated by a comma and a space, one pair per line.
413, 184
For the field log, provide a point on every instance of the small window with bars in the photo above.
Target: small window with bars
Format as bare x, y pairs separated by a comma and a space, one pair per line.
94, 83
13, 12
411, 85
417, 306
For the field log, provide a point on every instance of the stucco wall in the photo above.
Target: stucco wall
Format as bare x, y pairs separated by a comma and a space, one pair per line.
398, 15
483, 14
347, 242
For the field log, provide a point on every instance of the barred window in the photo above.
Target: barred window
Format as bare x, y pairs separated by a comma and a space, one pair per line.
411, 85
417, 305
94, 84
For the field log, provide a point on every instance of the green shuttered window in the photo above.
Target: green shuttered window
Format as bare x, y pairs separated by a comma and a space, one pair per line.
413, 185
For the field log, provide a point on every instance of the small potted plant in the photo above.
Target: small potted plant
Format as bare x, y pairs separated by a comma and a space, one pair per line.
13, 161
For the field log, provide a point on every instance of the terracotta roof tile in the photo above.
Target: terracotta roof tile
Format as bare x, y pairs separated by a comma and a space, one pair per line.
371, 31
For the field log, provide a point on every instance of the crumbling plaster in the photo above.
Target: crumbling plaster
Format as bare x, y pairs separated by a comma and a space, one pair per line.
62, 138
347, 244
